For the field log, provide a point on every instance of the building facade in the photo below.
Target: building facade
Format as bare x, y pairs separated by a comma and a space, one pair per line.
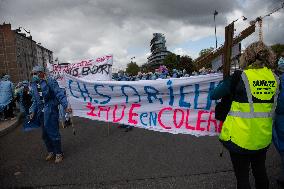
44, 56
19, 53
158, 50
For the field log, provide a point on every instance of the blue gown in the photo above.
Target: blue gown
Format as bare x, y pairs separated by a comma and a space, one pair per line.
6, 94
47, 112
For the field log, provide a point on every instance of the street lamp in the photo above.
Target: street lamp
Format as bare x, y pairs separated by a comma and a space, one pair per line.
215, 14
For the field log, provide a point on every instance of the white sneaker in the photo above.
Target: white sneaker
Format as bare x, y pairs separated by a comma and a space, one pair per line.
49, 156
58, 158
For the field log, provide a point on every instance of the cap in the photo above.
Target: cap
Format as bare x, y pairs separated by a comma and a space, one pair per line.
38, 69
281, 64
6, 77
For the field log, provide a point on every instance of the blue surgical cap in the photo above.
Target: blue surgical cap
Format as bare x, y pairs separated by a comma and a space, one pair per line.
38, 69
6, 77
25, 83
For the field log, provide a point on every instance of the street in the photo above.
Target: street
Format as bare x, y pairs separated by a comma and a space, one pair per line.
135, 159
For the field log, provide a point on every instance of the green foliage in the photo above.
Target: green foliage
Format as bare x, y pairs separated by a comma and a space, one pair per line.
278, 49
171, 61
132, 68
202, 53
206, 51
145, 68
186, 63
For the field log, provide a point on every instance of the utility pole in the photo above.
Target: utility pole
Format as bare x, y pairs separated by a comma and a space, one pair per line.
215, 14
229, 34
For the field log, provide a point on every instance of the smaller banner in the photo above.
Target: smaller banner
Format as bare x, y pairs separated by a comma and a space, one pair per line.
94, 69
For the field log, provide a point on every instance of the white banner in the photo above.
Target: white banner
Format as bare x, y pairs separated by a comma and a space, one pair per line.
173, 105
94, 69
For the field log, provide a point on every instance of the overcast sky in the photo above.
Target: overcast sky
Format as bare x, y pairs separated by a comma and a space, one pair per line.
82, 29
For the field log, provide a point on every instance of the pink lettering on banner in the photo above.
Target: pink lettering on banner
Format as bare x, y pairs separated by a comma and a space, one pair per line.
56, 67
184, 120
160, 116
101, 59
115, 112
175, 118
89, 63
108, 57
179, 118
212, 120
83, 63
132, 115
103, 109
190, 127
107, 110
104, 58
199, 120
92, 109
65, 68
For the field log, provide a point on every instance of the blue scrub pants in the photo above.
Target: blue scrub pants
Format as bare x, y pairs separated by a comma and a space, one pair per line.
51, 137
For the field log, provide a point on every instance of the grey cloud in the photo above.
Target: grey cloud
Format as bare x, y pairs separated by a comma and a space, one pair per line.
273, 27
189, 11
71, 28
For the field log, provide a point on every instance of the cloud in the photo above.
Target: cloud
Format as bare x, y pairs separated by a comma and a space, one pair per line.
273, 26
76, 30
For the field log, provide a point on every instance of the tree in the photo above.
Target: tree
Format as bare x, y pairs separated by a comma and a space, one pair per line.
186, 63
145, 68
132, 68
170, 61
204, 52
173, 61
278, 49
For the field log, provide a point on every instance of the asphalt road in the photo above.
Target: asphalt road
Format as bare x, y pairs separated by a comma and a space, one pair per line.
136, 159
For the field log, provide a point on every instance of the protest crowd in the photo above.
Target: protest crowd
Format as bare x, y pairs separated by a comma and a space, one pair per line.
161, 73
248, 128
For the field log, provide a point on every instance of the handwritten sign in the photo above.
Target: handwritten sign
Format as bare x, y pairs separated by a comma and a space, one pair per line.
94, 69
173, 105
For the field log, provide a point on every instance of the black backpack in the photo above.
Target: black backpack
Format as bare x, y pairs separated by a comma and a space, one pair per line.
223, 107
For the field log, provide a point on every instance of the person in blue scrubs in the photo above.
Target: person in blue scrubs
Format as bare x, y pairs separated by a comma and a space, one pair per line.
46, 96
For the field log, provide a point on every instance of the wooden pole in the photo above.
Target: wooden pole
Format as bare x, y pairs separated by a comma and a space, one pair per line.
108, 128
229, 34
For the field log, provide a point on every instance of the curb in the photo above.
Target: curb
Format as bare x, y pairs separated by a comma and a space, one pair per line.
11, 127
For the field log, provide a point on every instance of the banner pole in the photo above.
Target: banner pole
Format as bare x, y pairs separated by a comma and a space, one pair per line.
70, 114
107, 128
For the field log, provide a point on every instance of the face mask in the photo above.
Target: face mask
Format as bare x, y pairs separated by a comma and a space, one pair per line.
35, 78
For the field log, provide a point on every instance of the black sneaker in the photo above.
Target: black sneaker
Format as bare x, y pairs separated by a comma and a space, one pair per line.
280, 182
67, 123
128, 129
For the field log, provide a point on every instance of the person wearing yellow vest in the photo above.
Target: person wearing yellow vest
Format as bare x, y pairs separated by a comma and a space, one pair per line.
247, 129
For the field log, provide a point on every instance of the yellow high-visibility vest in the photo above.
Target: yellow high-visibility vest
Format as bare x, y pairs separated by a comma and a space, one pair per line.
249, 124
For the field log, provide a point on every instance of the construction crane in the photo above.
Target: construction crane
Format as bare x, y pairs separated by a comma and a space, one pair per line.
203, 60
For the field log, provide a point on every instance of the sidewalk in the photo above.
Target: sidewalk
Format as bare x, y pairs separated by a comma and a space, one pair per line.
8, 125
